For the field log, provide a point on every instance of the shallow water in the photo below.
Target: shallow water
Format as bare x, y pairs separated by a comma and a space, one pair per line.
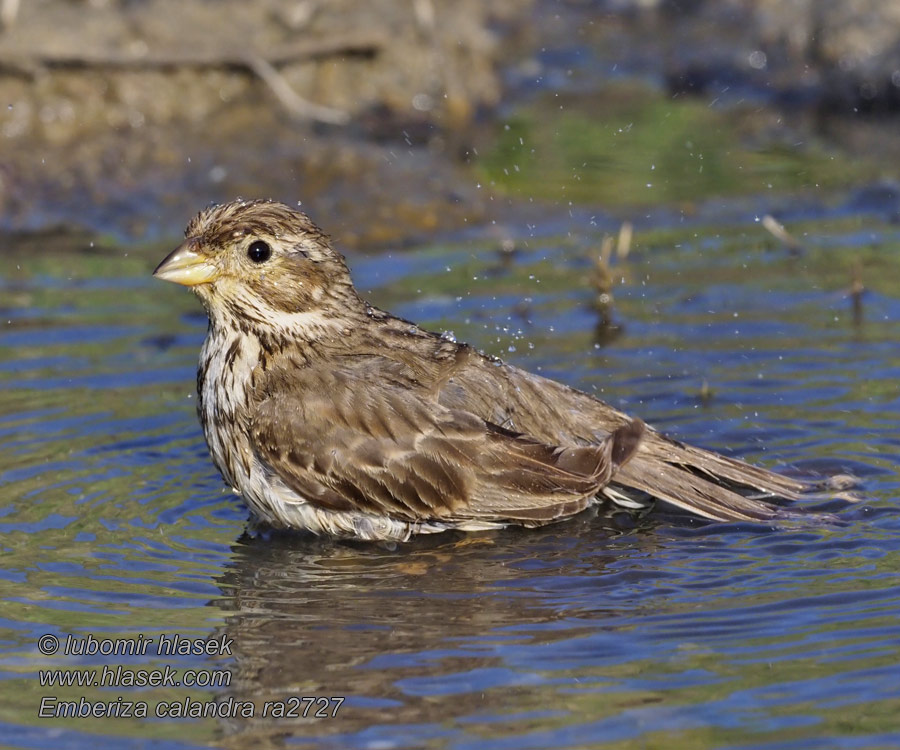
597, 632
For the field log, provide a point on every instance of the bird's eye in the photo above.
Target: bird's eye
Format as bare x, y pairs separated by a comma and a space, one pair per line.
259, 251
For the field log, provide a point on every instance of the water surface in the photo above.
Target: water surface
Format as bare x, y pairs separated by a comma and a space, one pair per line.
603, 631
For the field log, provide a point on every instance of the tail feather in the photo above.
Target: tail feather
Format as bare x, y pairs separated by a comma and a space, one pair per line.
692, 479
691, 492
721, 467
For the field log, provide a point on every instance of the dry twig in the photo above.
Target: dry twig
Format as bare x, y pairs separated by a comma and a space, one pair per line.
623, 244
777, 230
28, 65
291, 100
857, 289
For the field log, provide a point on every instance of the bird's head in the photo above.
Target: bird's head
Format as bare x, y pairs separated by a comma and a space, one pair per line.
262, 266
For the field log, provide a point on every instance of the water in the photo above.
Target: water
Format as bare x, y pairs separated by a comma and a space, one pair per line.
597, 632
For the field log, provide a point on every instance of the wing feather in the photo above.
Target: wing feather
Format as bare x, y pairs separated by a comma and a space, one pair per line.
348, 442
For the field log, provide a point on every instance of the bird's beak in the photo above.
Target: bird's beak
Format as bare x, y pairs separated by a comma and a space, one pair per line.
184, 265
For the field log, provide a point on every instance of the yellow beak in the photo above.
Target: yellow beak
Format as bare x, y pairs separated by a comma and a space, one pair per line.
184, 265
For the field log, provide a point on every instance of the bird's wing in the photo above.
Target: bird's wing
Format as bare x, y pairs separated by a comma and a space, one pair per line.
699, 481
343, 441
696, 480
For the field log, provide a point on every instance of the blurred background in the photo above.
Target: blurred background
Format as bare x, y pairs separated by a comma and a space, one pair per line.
690, 209
393, 119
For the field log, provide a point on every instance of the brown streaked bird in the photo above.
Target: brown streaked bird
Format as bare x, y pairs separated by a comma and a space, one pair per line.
330, 415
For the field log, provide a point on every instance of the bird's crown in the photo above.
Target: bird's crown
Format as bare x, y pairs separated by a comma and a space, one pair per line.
220, 225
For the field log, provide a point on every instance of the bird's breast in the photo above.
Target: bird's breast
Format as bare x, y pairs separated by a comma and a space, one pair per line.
223, 381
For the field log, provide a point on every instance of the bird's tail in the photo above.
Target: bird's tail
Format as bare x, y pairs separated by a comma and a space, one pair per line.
708, 484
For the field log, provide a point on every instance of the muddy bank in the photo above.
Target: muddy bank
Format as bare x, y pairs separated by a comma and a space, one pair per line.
126, 116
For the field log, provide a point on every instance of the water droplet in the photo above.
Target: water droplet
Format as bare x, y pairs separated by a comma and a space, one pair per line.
757, 59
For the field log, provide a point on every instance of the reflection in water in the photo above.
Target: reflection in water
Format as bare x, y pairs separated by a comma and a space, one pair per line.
577, 631
415, 635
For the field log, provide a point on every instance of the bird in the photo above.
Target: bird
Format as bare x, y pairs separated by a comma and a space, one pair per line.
330, 415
